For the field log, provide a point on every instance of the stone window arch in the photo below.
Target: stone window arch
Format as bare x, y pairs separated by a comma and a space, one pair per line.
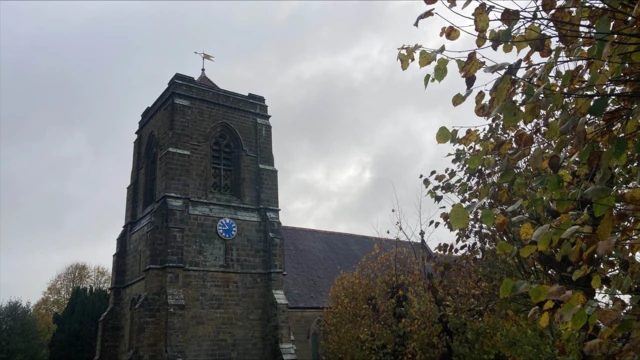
225, 162
150, 170
315, 340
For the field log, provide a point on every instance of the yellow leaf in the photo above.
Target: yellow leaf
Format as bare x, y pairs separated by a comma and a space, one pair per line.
471, 66
451, 33
545, 164
481, 18
582, 106
481, 39
632, 196
425, 58
606, 225
578, 299
505, 148
544, 320
526, 231
548, 305
501, 222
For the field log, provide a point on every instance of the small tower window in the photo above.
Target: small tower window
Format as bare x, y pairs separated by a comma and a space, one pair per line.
224, 165
150, 170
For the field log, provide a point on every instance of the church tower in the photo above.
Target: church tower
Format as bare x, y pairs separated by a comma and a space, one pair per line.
199, 265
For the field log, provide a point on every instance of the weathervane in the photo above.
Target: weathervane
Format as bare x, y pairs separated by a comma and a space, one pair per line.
204, 57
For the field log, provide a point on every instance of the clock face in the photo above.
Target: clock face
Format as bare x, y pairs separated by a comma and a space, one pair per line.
227, 228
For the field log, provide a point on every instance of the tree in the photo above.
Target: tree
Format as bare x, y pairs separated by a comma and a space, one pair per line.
394, 307
60, 287
550, 179
377, 312
77, 326
19, 335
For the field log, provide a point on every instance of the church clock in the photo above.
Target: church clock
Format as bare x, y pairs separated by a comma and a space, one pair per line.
227, 228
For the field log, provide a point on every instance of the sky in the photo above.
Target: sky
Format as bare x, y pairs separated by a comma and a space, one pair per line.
351, 131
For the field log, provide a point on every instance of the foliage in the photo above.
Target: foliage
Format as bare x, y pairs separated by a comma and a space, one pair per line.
550, 178
384, 297
19, 335
77, 327
60, 287
445, 311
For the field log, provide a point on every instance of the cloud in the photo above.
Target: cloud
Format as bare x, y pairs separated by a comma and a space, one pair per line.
348, 124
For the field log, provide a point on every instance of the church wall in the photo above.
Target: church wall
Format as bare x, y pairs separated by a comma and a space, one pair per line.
301, 322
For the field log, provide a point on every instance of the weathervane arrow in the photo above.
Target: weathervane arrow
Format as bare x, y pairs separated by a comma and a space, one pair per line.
204, 57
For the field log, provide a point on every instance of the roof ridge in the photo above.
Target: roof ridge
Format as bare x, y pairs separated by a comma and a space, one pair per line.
341, 233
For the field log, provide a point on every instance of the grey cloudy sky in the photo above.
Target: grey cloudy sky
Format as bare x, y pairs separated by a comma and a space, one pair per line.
349, 125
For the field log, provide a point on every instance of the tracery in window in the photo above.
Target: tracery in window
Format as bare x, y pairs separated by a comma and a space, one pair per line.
224, 165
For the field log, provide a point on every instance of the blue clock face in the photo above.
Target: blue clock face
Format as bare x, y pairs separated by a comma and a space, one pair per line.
227, 228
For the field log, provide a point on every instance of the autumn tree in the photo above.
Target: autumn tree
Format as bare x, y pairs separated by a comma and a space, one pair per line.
549, 178
20, 338
379, 310
403, 303
61, 286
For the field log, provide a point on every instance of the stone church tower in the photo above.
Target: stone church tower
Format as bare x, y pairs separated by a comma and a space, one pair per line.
187, 285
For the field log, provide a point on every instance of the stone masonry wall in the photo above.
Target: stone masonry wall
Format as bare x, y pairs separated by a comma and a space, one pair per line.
180, 291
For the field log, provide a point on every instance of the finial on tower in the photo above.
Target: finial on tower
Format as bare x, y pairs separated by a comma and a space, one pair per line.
203, 79
204, 57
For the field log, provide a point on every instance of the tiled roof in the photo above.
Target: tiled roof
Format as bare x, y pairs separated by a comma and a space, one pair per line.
314, 258
204, 80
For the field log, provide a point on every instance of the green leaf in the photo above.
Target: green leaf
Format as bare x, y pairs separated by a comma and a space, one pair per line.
597, 192
528, 250
457, 99
540, 231
554, 182
507, 176
598, 107
603, 28
506, 288
443, 135
473, 162
579, 319
520, 42
460, 64
504, 247
538, 293
602, 205
544, 242
426, 80
488, 217
459, 217
596, 281
619, 147
440, 70
536, 159
511, 114
553, 132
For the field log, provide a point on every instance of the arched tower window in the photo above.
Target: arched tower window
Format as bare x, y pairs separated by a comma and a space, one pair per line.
150, 171
225, 169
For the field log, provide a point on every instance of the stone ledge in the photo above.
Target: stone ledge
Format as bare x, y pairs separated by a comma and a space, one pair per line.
281, 299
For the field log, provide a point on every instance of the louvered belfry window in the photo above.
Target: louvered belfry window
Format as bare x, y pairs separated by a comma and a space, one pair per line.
222, 165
